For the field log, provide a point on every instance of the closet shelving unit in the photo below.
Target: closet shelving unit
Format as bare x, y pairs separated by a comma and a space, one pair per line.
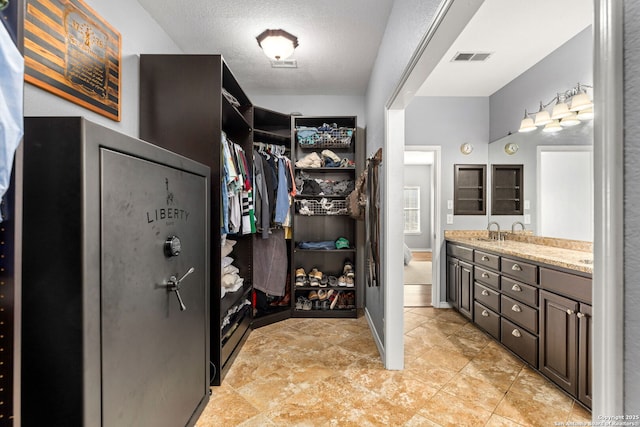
272, 127
321, 226
183, 109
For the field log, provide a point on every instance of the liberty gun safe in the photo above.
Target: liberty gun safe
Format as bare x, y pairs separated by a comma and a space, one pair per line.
115, 317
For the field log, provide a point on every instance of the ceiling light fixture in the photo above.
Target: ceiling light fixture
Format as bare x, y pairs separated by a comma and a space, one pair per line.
571, 107
278, 44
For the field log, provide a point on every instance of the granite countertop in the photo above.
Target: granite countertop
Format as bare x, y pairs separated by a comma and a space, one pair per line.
570, 254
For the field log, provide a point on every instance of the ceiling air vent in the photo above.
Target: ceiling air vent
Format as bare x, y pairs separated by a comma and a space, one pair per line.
286, 63
471, 56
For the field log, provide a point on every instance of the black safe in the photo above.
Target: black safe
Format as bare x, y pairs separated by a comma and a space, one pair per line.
115, 267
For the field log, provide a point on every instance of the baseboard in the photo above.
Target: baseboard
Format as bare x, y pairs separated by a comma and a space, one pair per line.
442, 305
376, 337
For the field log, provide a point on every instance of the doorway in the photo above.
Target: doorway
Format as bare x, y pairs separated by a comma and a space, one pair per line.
420, 204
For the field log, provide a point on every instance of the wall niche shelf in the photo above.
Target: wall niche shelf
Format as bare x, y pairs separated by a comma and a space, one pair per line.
507, 189
470, 189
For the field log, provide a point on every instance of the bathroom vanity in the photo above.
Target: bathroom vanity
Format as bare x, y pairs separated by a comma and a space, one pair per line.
531, 294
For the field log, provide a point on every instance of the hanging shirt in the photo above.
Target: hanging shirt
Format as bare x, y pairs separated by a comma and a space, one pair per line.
11, 115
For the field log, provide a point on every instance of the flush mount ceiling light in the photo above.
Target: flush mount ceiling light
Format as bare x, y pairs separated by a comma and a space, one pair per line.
571, 107
278, 44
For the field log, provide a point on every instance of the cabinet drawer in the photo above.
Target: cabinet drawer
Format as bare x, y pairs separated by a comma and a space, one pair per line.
487, 277
566, 284
519, 341
520, 313
487, 320
487, 296
460, 252
519, 270
486, 260
519, 291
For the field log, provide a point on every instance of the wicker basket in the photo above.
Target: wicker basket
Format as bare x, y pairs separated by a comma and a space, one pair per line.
321, 207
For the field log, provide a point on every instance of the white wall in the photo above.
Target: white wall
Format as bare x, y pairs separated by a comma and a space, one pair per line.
139, 34
407, 24
313, 105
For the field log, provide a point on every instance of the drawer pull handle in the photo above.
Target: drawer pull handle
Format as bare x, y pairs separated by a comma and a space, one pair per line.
516, 333
569, 311
485, 292
485, 313
580, 315
516, 288
485, 275
516, 308
516, 267
485, 258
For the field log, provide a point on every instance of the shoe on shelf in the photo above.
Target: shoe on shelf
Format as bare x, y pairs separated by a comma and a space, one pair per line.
322, 295
348, 269
350, 300
342, 281
350, 282
324, 281
300, 303
334, 299
300, 281
333, 281
313, 295
300, 273
306, 305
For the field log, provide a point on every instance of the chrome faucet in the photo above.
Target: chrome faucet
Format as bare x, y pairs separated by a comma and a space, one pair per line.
513, 226
489, 230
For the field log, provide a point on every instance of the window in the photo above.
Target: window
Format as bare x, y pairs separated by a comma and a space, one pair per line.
411, 210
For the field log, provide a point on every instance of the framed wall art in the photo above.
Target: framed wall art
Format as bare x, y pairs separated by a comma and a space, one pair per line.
72, 52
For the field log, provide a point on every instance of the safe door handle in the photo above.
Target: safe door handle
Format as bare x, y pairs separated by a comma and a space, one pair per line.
173, 285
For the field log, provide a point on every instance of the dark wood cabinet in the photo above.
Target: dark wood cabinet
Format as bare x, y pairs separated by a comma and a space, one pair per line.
184, 108
559, 340
470, 190
542, 315
585, 361
507, 190
460, 286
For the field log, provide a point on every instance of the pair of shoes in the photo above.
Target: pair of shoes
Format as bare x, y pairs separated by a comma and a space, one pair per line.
333, 281
303, 304
342, 281
348, 270
301, 277
323, 295
313, 295
324, 282
350, 300
315, 277
349, 282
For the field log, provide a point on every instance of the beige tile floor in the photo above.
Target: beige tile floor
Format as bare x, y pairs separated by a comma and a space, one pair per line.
327, 372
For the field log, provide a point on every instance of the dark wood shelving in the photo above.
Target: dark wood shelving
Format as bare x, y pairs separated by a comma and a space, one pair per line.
507, 189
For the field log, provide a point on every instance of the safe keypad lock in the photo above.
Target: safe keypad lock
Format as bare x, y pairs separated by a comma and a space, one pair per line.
173, 285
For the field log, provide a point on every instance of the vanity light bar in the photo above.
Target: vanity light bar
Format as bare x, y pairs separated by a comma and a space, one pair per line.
571, 107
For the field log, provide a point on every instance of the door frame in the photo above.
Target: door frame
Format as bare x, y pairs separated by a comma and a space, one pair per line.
435, 217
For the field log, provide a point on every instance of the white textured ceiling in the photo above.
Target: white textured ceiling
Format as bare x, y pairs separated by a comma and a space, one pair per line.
338, 40
518, 33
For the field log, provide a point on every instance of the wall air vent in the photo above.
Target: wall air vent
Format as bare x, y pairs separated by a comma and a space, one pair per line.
286, 63
470, 56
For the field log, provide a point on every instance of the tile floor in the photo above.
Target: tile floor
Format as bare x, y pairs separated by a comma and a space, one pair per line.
327, 372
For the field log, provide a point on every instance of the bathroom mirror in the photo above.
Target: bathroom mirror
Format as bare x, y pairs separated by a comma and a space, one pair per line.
558, 180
